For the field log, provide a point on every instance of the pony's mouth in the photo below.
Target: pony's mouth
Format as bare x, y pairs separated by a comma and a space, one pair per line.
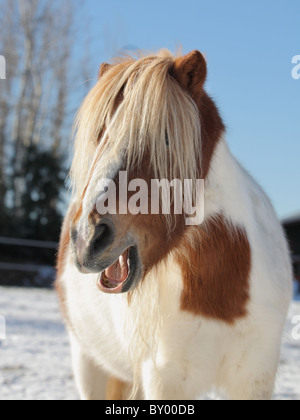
121, 276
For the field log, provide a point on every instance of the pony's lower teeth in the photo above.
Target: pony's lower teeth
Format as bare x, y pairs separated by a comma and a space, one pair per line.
115, 275
108, 283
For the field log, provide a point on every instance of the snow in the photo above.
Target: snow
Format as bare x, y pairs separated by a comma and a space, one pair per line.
35, 357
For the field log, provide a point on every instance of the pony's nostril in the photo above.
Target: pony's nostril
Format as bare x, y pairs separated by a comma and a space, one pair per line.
102, 238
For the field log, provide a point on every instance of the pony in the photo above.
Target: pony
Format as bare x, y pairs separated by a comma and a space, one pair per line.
158, 309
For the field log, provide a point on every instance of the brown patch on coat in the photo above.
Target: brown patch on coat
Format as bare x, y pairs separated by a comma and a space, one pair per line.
215, 260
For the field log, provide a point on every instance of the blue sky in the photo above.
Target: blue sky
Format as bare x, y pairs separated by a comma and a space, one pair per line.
249, 48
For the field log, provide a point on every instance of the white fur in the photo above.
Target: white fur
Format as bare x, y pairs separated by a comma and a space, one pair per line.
184, 356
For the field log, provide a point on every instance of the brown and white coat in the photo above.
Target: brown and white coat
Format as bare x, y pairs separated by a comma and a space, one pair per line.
206, 306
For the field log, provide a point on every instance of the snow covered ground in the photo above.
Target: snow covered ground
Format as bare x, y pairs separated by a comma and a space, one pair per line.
35, 361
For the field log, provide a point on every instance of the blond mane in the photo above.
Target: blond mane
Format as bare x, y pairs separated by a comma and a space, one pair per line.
153, 107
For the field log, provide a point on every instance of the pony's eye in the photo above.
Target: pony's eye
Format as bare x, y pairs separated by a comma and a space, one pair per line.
167, 140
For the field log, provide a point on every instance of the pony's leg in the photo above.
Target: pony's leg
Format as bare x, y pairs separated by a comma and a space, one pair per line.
157, 388
259, 388
116, 390
91, 381
252, 376
168, 382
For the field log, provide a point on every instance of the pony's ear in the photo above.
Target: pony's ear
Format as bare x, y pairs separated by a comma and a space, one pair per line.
103, 69
190, 71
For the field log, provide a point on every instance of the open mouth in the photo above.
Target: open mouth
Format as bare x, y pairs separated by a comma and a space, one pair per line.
118, 277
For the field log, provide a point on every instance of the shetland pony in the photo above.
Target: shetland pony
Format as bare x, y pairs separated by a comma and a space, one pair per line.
157, 309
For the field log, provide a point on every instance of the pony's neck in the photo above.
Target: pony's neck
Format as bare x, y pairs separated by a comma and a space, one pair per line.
227, 186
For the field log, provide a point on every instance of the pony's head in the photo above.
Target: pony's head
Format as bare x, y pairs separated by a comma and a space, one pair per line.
148, 119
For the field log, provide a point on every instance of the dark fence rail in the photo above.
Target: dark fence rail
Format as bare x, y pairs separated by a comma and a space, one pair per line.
22, 262
296, 259
28, 242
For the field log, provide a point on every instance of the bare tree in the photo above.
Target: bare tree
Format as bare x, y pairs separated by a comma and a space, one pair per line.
37, 41
8, 47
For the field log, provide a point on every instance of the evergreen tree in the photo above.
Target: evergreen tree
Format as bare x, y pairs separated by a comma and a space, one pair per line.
43, 182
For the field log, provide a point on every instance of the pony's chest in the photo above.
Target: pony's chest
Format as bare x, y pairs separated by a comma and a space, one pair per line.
99, 324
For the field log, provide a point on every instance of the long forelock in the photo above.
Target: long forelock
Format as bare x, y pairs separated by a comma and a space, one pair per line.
155, 115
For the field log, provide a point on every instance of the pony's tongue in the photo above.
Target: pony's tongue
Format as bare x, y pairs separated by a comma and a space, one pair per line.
118, 272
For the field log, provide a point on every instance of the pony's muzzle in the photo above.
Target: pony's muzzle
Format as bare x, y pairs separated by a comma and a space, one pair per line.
89, 252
